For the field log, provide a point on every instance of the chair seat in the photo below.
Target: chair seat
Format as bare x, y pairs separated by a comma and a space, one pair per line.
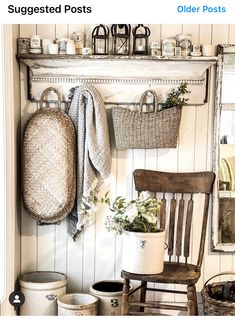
173, 272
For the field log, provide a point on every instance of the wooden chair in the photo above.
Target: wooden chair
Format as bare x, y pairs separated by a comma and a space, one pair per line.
177, 270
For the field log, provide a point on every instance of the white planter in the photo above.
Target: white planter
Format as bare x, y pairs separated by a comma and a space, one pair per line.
41, 290
77, 304
109, 293
143, 252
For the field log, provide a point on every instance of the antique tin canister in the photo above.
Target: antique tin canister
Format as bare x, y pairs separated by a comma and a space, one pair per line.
23, 45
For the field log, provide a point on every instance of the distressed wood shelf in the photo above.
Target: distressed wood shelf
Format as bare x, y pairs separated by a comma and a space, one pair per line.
112, 74
112, 57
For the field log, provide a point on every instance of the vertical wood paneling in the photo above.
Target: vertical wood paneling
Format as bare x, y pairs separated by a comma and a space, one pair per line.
17, 144
61, 235
226, 264
187, 139
105, 242
46, 31
88, 31
46, 233
89, 254
155, 32
46, 247
28, 225
220, 34
61, 30
27, 30
123, 178
60, 245
192, 29
105, 246
75, 263
170, 30
96, 254
75, 28
205, 33
232, 33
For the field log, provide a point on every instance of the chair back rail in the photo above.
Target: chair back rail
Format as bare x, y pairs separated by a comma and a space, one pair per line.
188, 223
180, 212
179, 232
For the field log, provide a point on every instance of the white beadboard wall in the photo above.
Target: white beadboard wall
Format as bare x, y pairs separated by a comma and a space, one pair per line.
96, 253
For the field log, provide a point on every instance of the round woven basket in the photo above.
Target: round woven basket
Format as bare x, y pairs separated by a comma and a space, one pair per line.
213, 306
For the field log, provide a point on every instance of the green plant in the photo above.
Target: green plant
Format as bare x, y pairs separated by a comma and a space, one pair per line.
139, 215
175, 99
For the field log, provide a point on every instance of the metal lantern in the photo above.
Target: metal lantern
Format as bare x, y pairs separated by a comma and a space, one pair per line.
121, 39
100, 40
141, 34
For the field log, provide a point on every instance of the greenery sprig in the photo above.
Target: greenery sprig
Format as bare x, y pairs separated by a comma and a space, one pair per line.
138, 215
175, 99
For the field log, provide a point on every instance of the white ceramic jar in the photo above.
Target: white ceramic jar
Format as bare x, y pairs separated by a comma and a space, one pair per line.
86, 51
35, 42
209, 50
45, 44
109, 293
41, 290
168, 47
70, 47
53, 48
143, 252
77, 304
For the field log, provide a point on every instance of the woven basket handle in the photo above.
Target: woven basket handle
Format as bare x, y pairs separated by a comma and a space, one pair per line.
143, 98
45, 92
220, 274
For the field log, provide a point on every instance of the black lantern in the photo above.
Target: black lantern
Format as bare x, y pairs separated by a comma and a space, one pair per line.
140, 39
100, 40
121, 39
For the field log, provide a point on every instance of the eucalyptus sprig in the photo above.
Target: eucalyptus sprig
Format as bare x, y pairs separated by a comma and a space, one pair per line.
175, 99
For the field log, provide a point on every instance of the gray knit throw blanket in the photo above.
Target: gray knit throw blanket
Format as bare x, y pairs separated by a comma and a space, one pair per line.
88, 114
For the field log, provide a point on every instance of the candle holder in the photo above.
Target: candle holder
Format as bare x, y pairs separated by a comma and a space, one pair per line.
121, 39
141, 35
100, 40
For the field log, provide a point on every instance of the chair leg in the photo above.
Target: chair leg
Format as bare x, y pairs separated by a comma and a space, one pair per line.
126, 285
192, 300
143, 294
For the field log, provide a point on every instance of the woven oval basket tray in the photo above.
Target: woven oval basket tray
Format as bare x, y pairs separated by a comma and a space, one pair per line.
49, 165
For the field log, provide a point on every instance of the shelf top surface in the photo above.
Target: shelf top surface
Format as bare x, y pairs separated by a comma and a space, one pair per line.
27, 56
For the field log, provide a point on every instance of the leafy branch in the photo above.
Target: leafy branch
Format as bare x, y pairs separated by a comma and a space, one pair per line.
175, 99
